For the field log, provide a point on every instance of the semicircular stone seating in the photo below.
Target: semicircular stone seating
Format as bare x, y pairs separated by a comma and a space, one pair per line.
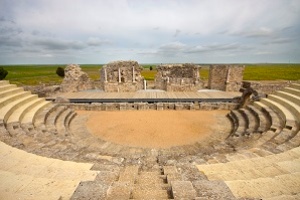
266, 136
260, 158
28, 176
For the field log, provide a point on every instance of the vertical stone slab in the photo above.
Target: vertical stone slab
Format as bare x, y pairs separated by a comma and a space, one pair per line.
225, 77
217, 77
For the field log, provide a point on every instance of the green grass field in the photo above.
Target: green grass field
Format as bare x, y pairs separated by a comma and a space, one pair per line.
45, 74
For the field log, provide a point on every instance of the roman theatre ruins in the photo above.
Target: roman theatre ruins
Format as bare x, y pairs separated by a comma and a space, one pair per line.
176, 138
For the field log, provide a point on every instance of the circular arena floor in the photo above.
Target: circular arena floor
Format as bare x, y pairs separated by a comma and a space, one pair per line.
155, 129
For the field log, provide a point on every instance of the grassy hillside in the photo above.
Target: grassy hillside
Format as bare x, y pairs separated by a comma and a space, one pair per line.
45, 74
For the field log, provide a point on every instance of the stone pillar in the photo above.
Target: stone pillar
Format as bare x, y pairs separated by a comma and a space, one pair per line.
105, 75
145, 85
119, 73
133, 75
228, 75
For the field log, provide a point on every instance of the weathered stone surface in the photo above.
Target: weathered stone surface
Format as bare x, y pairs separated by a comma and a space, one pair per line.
122, 76
43, 90
226, 77
183, 190
75, 79
91, 189
178, 77
61, 100
212, 190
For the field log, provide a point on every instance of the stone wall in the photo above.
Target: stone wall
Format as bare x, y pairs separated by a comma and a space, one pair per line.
153, 106
268, 87
75, 79
122, 76
226, 77
178, 77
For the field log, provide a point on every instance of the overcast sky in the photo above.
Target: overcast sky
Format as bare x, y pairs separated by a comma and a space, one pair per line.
149, 31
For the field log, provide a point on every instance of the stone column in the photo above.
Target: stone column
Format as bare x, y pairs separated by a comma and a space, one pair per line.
105, 75
145, 85
227, 79
228, 75
119, 72
133, 75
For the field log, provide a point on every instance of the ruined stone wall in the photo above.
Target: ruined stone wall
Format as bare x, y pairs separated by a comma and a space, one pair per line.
178, 77
75, 79
269, 87
121, 76
226, 77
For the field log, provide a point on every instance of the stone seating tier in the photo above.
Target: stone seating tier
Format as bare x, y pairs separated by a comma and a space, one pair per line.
267, 151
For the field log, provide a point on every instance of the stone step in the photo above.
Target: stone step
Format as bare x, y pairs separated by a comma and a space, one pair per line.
51, 118
261, 152
285, 197
129, 174
290, 144
46, 178
284, 136
150, 194
277, 123
265, 137
4, 82
90, 190
10, 91
268, 166
30, 115
40, 118
251, 119
119, 190
285, 114
295, 85
68, 120
291, 106
263, 120
148, 178
234, 123
242, 123
183, 190
212, 190
8, 109
287, 184
291, 90
291, 97
18, 114
60, 123
8, 99
6, 87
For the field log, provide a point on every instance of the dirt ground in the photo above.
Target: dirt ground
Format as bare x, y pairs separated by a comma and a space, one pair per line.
153, 129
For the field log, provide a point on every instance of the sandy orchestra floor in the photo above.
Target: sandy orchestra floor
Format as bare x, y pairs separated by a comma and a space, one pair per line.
152, 129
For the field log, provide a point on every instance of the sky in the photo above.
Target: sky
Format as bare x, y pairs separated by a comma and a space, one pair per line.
149, 31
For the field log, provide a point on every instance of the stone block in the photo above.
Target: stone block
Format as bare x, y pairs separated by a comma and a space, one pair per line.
159, 106
120, 191
183, 190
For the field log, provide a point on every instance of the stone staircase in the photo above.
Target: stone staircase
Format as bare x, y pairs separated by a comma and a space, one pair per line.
261, 152
269, 176
266, 138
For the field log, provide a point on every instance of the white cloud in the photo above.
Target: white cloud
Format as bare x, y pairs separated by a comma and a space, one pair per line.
131, 28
